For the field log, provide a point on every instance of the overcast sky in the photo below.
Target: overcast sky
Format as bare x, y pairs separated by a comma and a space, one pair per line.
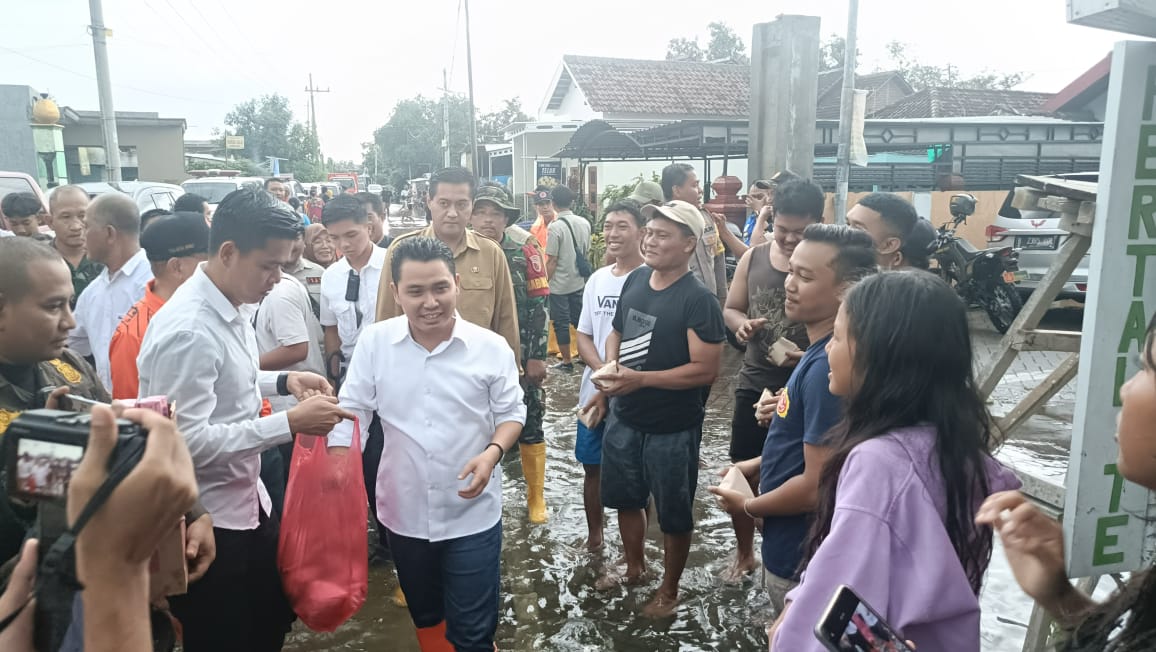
195, 59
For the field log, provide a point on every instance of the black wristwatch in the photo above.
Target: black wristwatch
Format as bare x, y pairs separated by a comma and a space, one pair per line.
283, 384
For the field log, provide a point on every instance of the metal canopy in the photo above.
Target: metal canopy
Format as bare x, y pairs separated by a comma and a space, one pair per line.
598, 139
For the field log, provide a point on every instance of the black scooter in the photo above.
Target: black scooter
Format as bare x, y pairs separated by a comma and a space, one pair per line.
984, 277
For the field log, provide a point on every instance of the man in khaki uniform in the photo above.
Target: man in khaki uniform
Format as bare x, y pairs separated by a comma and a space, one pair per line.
487, 290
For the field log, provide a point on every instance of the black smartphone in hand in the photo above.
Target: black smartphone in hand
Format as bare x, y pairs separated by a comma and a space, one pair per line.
850, 625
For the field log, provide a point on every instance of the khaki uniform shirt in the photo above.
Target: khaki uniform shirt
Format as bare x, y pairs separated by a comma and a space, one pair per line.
487, 297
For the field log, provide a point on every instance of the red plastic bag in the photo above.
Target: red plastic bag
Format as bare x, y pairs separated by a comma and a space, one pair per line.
323, 552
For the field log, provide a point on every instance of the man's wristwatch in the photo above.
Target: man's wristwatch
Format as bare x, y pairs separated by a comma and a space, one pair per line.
283, 384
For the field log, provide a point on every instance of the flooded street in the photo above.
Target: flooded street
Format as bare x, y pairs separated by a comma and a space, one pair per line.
549, 602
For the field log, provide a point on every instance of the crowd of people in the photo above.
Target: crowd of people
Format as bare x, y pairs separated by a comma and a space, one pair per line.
862, 447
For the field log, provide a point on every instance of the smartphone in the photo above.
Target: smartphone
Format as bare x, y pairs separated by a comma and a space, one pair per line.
850, 625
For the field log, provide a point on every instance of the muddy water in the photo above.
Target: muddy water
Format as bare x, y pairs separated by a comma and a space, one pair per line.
549, 602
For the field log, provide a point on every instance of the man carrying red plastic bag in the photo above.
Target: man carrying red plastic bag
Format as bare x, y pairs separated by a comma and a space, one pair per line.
450, 405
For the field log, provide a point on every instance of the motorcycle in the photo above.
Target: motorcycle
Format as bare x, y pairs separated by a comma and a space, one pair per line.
984, 277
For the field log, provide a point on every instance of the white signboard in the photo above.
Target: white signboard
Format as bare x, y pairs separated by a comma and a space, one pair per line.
234, 142
1104, 515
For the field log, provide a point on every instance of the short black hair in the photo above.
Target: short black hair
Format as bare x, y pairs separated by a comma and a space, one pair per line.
295, 203
782, 176
190, 201
419, 249
626, 206
855, 250
800, 198
562, 196
151, 215
899, 214
673, 175
19, 205
452, 176
373, 200
344, 207
16, 257
249, 217
273, 180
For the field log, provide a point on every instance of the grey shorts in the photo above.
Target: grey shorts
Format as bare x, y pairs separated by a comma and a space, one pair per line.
637, 465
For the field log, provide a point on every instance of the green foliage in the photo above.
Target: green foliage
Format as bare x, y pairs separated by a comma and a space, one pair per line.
248, 168
269, 130
921, 75
724, 45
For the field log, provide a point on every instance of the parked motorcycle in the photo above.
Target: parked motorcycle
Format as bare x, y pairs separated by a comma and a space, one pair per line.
984, 277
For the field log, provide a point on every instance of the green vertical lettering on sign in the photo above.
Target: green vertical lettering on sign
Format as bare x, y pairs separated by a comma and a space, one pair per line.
1117, 487
1141, 252
1100, 556
1121, 378
1146, 152
1143, 212
1150, 93
1135, 328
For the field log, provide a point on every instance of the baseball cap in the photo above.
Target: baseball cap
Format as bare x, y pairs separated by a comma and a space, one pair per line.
541, 195
647, 192
677, 211
498, 196
175, 236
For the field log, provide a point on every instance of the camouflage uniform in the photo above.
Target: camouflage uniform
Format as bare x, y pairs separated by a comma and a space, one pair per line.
531, 290
69, 369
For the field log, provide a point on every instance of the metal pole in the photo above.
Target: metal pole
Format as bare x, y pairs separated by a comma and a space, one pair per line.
104, 86
446, 117
470, 75
843, 162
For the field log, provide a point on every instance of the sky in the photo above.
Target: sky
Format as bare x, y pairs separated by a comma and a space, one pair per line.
196, 59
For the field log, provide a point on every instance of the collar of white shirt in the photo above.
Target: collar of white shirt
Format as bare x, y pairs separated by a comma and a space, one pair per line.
213, 295
399, 331
129, 267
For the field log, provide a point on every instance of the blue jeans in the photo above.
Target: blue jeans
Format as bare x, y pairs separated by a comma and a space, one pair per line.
455, 580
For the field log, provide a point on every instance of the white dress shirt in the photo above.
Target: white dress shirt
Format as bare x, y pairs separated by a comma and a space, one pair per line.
285, 318
438, 411
102, 305
201, 352
336, 311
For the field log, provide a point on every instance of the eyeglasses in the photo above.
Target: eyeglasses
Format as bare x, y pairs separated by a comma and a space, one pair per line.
353, 294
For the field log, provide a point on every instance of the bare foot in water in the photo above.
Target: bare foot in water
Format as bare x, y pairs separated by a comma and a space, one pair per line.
594, 543
738, 569
661, 606
613, 579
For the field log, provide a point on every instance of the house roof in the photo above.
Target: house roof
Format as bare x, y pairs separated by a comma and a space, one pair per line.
1093, 82
831, 91
685, 88
964, 102
70, 115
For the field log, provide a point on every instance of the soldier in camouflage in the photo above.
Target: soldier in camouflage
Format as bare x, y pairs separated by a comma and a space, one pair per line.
493, 217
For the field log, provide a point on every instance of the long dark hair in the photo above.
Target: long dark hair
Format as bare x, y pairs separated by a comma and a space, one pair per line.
913, 365
1135, 600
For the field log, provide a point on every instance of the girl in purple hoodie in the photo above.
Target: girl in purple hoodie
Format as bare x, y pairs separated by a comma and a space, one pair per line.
911, 464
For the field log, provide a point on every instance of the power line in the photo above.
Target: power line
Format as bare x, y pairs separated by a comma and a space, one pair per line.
124, 86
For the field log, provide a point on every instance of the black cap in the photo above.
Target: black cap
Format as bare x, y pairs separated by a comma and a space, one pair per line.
175, 236
541, 195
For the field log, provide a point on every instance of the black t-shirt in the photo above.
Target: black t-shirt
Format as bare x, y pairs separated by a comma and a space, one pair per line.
653, 325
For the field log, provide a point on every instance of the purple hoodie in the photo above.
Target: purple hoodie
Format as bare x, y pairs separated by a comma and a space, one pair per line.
888, 543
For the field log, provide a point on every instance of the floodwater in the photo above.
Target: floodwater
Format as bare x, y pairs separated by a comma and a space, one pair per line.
548, 598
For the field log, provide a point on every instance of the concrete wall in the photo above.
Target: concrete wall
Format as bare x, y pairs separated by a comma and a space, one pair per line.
531, 146
573, 107
17, 149
160, 150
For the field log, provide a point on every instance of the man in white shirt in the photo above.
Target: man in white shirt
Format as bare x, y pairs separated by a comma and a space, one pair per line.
447, 427
622, 228
348, 286
112, 239
200, 350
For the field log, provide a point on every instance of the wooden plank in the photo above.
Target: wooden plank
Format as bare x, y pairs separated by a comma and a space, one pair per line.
1036, 399
1060, 204
1082, 190
1047, 340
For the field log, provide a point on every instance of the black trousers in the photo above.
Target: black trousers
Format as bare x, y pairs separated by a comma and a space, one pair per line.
239, 604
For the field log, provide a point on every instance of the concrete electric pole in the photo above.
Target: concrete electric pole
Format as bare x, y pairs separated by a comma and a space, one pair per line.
313, 90
470, 75
100, 35
784, 84
846, 110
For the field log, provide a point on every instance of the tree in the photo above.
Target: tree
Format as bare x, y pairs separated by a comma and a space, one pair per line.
922, 76
492, 125
269, 130
832, 53
724, 46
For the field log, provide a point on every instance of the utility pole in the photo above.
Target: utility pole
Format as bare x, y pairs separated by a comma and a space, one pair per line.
470, 75
313, 90
100, 35
843, 160
446, 118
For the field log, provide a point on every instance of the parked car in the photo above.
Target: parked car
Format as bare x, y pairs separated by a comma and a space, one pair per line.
214, 189
147, 194
11, 182
1038, 237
